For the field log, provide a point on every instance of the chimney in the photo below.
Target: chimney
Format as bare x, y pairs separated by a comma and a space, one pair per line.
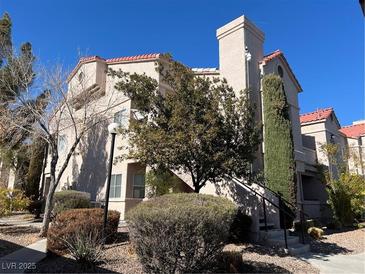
234, 38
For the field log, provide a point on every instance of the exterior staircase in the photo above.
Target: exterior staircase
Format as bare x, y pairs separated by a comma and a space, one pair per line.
275, 237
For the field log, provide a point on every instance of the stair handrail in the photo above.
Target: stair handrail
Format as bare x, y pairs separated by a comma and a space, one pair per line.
246, 185
277, 195
262, 196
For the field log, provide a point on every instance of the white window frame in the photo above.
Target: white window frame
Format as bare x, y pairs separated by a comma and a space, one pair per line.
121, 117
113, 187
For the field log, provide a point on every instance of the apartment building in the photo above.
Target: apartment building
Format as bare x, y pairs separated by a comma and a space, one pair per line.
319, 128
355, 137
241, 61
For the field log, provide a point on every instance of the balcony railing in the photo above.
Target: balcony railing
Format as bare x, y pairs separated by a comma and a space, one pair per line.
310, 156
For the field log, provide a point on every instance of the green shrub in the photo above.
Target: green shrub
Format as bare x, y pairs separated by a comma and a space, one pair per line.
315, 232
180, 232
161, 182
346, 196
85, 246
12, 200
240, 228
70, 199
71, 222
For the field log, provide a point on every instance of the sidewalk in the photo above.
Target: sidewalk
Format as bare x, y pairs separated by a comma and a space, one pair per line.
332, 264
18, 220
24, 258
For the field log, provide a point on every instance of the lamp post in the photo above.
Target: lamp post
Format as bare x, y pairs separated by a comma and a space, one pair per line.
113, 129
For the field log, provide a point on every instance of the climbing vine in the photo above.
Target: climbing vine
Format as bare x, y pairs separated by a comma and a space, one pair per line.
279, 164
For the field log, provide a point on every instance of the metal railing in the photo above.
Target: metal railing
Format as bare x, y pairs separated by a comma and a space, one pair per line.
280, 207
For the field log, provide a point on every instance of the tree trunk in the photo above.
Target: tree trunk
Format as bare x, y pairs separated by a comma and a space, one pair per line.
54, 182
48, 210
49, 198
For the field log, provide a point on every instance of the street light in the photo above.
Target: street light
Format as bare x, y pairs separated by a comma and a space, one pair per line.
113, 129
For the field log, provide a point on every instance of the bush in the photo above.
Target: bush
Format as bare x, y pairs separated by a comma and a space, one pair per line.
315, 232
180, 232
85, 246
240, 228
161, 182
71, 222
70, 199
12, 200
35, 207
346, 197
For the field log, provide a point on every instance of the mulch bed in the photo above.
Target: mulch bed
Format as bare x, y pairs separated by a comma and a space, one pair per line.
13, 238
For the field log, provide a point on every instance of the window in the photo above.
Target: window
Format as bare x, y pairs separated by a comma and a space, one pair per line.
115, 186
121, 117
138, 186
81, 76
62, 143
280, 71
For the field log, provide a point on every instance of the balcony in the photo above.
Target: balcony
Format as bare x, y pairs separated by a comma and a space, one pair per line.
310, 156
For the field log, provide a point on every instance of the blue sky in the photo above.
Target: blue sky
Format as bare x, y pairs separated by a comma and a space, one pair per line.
323, 40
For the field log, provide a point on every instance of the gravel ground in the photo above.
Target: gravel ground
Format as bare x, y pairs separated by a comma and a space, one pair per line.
16, 237
117, 258
120, 258
262, 259
349, 241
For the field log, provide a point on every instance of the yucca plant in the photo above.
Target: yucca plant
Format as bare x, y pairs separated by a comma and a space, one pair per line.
85, 246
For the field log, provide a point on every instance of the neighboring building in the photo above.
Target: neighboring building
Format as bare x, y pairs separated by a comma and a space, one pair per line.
319, 128
355, 137
241, 61
7, 175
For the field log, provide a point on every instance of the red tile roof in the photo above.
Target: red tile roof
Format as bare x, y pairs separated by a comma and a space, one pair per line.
133, 58
278, 53
354, 130
88, 59
317, 115
272, 55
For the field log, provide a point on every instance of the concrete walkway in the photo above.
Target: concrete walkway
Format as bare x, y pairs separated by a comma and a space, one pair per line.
17, 220
24, 258
332, 264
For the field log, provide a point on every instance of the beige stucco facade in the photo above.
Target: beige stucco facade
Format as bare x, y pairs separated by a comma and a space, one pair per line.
87, 170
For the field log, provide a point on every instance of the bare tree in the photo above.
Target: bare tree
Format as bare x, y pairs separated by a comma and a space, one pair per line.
52, 107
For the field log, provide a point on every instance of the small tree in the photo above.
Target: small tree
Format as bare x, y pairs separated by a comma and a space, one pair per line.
346, 191
279, 161
37, 156
193, 124
13, 150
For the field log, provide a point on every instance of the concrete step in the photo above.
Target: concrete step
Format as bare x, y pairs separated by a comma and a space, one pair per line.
269, 225
280, 240
298, 249
272, 233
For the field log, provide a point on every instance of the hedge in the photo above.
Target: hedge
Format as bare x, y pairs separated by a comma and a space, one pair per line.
70, 199
73, 221
182, 232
